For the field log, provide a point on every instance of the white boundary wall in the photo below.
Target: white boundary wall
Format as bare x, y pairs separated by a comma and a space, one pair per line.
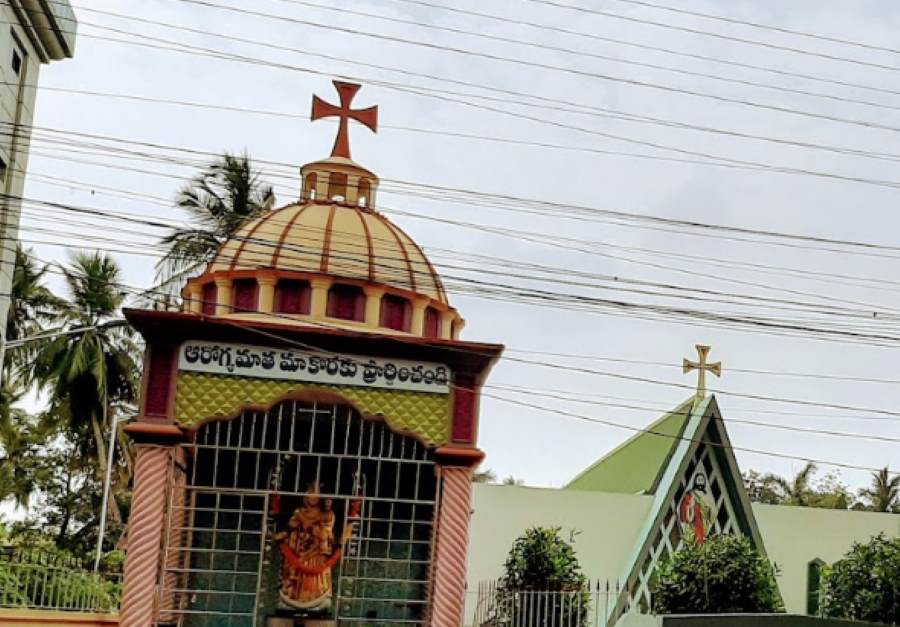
608, 525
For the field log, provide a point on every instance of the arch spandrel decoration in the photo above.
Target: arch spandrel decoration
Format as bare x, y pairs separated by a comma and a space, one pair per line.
200, 397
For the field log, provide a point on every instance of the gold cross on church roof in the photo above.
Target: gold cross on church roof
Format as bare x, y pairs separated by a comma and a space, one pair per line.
702, 366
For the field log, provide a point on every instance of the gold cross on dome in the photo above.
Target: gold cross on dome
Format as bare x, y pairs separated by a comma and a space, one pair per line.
702, 366
322, 109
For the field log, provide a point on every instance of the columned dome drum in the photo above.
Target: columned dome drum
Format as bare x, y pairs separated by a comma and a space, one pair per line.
329, 259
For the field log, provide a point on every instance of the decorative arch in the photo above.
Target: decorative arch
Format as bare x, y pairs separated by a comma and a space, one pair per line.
317, 395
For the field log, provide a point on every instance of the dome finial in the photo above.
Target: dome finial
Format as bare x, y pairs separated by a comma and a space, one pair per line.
322, 109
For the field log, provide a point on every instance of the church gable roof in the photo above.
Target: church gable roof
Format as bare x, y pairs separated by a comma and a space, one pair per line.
636, 466
703, 448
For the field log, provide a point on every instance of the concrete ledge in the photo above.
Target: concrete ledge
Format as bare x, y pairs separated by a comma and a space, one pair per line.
756, 620
33, 618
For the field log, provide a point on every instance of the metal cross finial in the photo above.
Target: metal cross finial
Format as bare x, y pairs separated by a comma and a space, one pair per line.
702, 366
322, 109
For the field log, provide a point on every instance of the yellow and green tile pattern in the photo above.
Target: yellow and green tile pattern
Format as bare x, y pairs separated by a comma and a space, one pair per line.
202, 396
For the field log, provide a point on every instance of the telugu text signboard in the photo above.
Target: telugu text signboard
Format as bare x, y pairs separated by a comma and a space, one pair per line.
332, 368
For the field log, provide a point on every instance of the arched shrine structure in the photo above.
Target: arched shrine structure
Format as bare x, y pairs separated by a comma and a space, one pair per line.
308, 424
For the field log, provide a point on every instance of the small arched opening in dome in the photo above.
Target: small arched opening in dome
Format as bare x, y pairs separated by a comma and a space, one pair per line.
292, 296
396, 313
209, 299
309, 186
432, 323
363, 192
337, 186
245, 296
346, 302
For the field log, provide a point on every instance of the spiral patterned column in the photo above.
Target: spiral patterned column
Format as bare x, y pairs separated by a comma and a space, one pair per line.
145, 528
451, 546
175, 539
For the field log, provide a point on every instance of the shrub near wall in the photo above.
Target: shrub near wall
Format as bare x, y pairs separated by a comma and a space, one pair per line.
725, 574
542, 582
865, 583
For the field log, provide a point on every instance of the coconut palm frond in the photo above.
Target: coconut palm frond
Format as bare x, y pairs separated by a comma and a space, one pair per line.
218, 201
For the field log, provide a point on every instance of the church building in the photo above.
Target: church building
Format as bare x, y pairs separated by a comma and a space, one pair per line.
635, 507
308, 424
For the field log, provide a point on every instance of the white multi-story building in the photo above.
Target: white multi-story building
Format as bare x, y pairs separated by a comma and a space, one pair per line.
32, 32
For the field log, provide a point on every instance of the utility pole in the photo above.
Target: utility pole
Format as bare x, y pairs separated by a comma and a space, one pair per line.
113, 424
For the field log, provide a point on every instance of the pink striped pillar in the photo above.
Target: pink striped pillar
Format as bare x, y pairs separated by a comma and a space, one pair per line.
176, 537
451, 545
145, 529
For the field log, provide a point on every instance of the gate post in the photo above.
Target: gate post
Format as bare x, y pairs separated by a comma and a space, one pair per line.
451, 544
145, 524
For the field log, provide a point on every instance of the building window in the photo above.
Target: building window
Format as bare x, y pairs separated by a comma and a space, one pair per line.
396, 313
432, 322
246, 293
292, 297
16, 62
209, 299
813, 586
346, 302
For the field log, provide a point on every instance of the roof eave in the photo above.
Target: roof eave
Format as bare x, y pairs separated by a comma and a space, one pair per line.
165, 326
51, 26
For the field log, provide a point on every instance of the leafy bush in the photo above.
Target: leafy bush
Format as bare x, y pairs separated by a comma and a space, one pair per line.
865, 583
724, 574
541, 563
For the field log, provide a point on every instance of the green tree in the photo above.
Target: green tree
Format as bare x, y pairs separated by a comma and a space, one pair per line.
218, 201
884, 494
803, 489
542, 561
830, 492
32, 307
90, 368
484, 476
763, 488
21, 443
865, 583
724, 574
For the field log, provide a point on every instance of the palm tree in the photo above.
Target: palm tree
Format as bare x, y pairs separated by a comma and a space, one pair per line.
884, 495
93, 363
32, 307
798, 490
218, 200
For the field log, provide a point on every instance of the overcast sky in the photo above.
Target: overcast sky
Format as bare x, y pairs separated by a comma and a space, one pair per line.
546, 448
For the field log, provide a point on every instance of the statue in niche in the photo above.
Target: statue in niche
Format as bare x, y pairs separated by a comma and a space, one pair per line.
309, 553
695, 510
